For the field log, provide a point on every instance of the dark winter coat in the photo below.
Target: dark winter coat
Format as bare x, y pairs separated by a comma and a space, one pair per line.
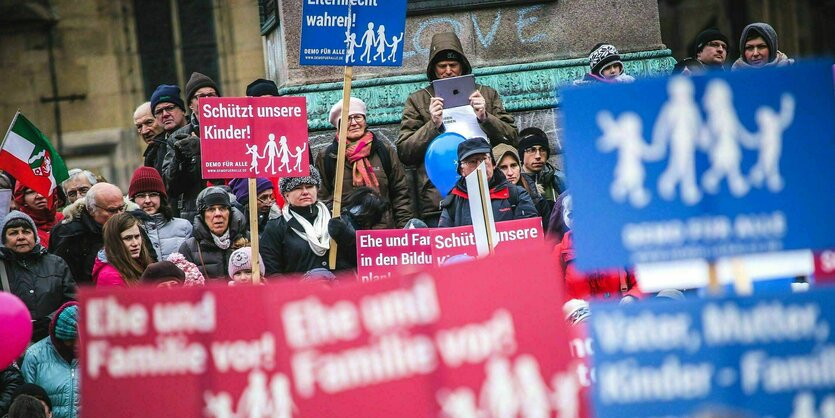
42, 281
10, 380
550, 181
201, 249
286, 252
393, 184
182, 172
77, 242
456, 206
155, 153
417, 129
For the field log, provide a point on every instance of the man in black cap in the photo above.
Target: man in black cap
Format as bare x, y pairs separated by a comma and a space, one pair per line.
181, 169
508, 201
709, 52
422, 119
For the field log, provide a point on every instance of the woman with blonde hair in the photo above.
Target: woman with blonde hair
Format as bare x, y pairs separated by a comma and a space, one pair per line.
125, 254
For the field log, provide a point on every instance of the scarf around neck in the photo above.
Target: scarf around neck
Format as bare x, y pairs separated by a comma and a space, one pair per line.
356, 154
315, 233
223, 242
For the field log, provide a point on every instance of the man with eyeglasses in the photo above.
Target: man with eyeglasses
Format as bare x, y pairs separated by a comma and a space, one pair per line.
265, 200
181, 168
758, 44
710, 51
508, 201
77, 184
534, 149
78, 238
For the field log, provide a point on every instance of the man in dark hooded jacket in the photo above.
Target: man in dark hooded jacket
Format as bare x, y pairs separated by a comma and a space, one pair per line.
422, 119
508, 201
42, 281
182, 165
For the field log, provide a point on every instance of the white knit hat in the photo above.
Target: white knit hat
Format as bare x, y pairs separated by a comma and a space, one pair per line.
241, 259
356, 107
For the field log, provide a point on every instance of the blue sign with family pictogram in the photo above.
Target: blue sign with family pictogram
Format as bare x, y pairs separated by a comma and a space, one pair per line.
703, 167
353, 32
761, 356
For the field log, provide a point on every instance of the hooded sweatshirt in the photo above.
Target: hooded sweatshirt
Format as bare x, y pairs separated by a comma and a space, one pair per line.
417, 129
45, 219
775, 57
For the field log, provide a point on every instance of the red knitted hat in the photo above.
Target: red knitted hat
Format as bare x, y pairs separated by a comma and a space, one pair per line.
146, 179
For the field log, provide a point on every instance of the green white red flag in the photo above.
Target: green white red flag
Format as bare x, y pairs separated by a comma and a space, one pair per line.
28, 156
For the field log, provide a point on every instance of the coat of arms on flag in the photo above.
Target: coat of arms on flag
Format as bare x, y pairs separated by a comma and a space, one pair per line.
27, 154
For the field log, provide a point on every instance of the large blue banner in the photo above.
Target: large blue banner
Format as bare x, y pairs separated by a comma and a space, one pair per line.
353, 32
736, 357
703, 167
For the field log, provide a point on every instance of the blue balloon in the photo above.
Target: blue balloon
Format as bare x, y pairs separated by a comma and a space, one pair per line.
441, 161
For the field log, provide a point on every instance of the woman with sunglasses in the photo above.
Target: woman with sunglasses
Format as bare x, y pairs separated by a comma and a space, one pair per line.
165, 233
125, 255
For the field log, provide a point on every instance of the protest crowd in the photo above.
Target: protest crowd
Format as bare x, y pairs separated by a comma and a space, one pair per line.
173, 228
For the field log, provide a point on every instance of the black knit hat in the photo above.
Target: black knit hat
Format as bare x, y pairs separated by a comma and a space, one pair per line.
531, 136
602, 56
196, 82
706, 36
262, 87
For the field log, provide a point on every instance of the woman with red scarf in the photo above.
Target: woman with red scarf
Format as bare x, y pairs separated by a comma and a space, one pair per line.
369, 162
39, 208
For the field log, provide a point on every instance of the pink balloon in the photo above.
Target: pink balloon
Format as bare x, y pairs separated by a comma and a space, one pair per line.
15, 328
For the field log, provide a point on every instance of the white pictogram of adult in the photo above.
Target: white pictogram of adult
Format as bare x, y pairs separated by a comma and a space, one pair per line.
283, 404
381, 44
625, 135
270, 152
498, 394
721, 137
368, 41
678, 123
533, 391
255, 400
284, 153
566, 390
771, 127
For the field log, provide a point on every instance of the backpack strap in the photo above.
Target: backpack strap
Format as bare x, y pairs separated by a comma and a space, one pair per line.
4, 277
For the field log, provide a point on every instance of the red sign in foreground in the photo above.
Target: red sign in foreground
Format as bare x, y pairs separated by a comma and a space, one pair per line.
245, 137
383, 253
484, 338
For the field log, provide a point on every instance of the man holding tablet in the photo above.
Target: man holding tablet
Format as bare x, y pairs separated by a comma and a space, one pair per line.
422, 118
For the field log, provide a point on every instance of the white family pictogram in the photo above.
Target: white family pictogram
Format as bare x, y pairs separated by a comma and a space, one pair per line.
513, 390
273, 151
371, 42
257, 400
680, 132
